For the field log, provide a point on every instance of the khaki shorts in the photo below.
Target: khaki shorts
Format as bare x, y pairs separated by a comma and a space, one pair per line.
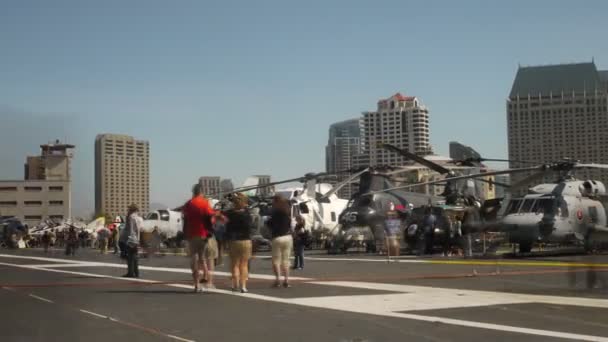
240, 250
281, 250
211, 249
196, 246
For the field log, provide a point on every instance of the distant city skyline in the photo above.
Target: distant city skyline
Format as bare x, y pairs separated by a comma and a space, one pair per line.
250, 88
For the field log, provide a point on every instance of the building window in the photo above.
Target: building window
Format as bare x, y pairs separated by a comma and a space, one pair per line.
33, 217
32, 203
55, 202
56, 217
33, 188
8, 188
8, 203
55, 188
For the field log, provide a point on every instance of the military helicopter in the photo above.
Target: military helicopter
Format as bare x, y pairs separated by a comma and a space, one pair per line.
315, 202
568, 210
361, 223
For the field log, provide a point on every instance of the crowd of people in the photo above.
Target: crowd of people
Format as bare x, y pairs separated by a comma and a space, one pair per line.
209, 232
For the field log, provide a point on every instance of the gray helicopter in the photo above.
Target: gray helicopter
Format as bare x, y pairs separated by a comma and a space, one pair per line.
568, 210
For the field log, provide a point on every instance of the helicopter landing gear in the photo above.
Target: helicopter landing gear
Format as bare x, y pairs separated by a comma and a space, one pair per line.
525, 247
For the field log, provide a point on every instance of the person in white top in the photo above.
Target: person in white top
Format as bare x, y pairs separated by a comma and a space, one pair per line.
133, 230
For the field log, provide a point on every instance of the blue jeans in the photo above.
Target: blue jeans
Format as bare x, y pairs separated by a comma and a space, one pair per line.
299, 254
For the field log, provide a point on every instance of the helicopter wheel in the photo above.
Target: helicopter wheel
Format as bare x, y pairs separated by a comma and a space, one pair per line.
525, 247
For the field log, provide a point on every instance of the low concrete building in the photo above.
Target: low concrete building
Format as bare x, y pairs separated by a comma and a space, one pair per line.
46, 191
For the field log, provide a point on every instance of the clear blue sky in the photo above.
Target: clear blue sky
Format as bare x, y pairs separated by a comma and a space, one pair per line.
237, 88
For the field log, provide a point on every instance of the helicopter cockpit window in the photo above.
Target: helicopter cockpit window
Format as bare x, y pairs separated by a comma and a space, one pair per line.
513, 206
542, 205
303, 208
527, 206
164, 215
152, 216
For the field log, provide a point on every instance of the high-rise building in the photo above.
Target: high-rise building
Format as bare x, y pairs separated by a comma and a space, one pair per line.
46, 191
226, 185
459, 151
259, 180
402, 121
501, 190
122, 174
210, 185
343, 145
556, 112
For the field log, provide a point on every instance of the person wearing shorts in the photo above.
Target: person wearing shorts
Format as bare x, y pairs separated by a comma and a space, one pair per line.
282, 241
198, 217
238, 232
209, 257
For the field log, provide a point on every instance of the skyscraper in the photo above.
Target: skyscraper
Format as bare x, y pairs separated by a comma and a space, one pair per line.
343, 145
210, 186
559, 111
402, 121
122, 174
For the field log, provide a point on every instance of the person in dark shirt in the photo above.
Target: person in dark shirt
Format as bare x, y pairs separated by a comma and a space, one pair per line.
238, 231
282, 241
300, 239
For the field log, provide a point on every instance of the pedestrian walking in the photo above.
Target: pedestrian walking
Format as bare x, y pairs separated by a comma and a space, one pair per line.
133, 229
282, 241
238, 231
198, 218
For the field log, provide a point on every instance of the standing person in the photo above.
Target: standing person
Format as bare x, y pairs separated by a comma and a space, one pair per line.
238, 232
448, 236
71, 241
428, 223
282, 242
219, 232
52, 237
300, 239
46, 241
102, 240
198, 218
133, 231
123, 236
392, 228
115, 239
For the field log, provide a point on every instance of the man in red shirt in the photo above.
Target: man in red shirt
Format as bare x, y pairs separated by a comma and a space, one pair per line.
198, 220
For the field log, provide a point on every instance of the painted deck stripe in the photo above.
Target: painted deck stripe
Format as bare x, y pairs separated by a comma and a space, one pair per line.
179, 338
40, 298
93, 314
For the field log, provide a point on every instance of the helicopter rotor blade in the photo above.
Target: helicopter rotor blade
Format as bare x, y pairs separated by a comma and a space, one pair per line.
431, 165
342, 184
591, 166
477, 175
